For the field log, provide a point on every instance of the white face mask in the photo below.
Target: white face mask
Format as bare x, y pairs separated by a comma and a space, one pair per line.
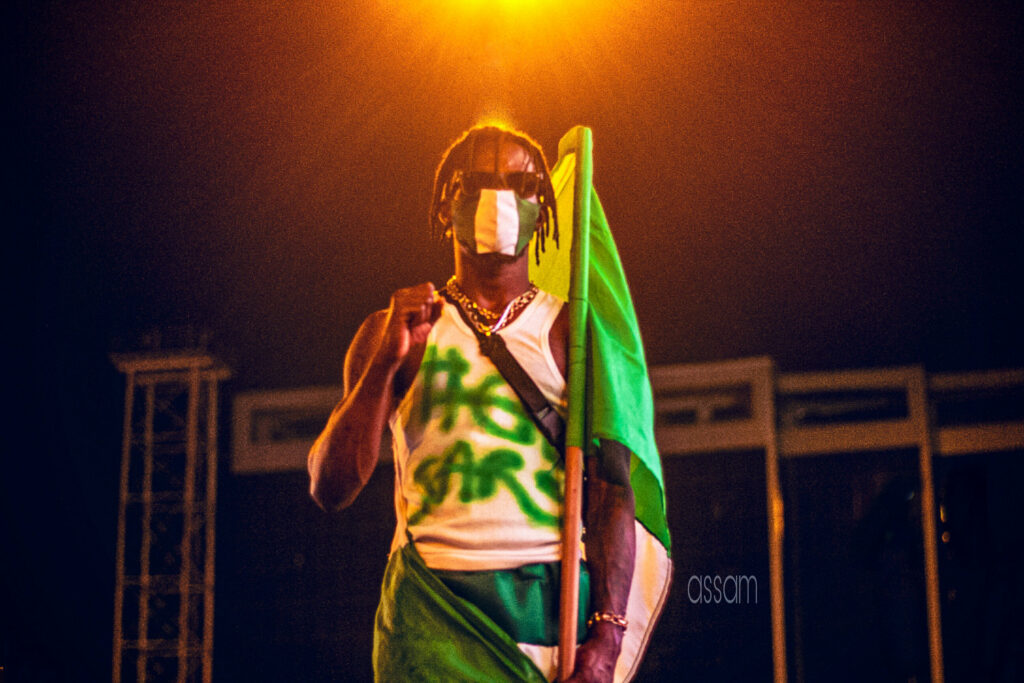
494, 222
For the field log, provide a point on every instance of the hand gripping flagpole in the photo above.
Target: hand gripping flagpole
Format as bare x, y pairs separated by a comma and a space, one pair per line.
579, 141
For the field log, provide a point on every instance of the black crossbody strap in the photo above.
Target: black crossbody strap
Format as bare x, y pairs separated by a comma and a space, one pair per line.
544, 415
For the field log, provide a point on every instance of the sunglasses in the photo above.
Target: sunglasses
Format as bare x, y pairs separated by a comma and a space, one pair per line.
524, 183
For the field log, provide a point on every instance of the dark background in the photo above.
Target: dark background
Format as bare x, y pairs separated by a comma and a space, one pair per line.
832, 184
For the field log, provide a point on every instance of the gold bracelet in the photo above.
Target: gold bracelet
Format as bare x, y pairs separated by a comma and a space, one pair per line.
617, 619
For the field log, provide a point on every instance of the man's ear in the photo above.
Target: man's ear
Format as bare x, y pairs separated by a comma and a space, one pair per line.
444, 213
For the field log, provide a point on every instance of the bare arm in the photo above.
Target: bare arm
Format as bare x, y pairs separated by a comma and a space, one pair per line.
378, 368
611, 546
608, 513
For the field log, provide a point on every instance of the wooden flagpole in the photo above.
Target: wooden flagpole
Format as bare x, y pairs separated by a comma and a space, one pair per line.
578, 141
570, 594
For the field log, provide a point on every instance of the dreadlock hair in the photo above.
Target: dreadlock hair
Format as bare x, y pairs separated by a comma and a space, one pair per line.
459, 156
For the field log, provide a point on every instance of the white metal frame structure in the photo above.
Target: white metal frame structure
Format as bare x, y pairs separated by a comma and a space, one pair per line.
164, 588
988, 436
701, 390
912, 430
272, 431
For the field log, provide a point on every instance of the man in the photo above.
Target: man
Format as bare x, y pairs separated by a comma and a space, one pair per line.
478, 494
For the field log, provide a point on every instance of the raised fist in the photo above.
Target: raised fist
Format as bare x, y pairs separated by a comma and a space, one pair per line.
411, 315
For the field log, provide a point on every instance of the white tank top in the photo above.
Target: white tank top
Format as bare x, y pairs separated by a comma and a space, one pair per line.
476, 484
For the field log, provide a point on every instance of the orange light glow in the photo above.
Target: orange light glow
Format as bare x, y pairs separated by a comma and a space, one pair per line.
498, 116
505, 41
522, 21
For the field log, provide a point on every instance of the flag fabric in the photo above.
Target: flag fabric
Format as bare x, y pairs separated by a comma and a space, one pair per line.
425, 633
609, 388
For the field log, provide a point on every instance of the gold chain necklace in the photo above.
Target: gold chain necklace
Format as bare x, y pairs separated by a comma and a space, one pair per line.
488, 321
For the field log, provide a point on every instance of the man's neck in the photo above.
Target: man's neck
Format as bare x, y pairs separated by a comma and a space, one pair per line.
490, 282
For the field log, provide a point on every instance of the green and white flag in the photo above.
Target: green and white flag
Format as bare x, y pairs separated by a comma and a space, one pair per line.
609, 389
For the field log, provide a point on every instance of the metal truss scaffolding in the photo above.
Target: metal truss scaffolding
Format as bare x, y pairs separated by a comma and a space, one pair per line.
163, 599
